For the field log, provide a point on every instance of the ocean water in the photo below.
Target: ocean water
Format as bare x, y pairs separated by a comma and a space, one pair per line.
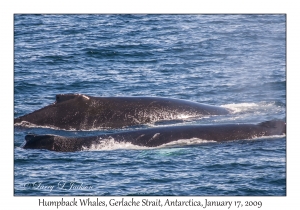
233, 61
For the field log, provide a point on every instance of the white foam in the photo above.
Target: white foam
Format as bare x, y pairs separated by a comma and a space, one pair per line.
32, 125
84, 96
270, 137
256, 108
184, 116
111, 144
241, 107
185, 142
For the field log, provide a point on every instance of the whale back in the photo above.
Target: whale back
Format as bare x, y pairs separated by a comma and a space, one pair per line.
274, 125
82, 112
39, 141
54, 143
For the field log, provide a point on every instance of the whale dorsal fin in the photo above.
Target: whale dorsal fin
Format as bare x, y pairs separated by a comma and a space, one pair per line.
65, 97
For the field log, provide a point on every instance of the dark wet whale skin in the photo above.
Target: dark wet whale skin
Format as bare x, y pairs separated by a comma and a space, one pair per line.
158, 136
81, 112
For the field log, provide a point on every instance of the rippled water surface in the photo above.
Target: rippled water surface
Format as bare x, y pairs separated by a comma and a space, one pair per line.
233, 61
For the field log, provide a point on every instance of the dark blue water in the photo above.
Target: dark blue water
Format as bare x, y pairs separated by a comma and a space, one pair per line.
234, 61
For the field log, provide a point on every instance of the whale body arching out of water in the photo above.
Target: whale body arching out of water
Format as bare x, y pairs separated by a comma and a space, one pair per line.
158, 136
82, 112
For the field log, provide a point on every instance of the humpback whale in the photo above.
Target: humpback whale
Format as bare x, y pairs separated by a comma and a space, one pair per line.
157, 136
82, 112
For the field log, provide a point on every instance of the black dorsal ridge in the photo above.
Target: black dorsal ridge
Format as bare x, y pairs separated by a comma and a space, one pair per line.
69, 96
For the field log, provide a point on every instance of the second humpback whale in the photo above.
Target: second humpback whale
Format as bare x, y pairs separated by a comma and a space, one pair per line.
82, 112
157, 136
